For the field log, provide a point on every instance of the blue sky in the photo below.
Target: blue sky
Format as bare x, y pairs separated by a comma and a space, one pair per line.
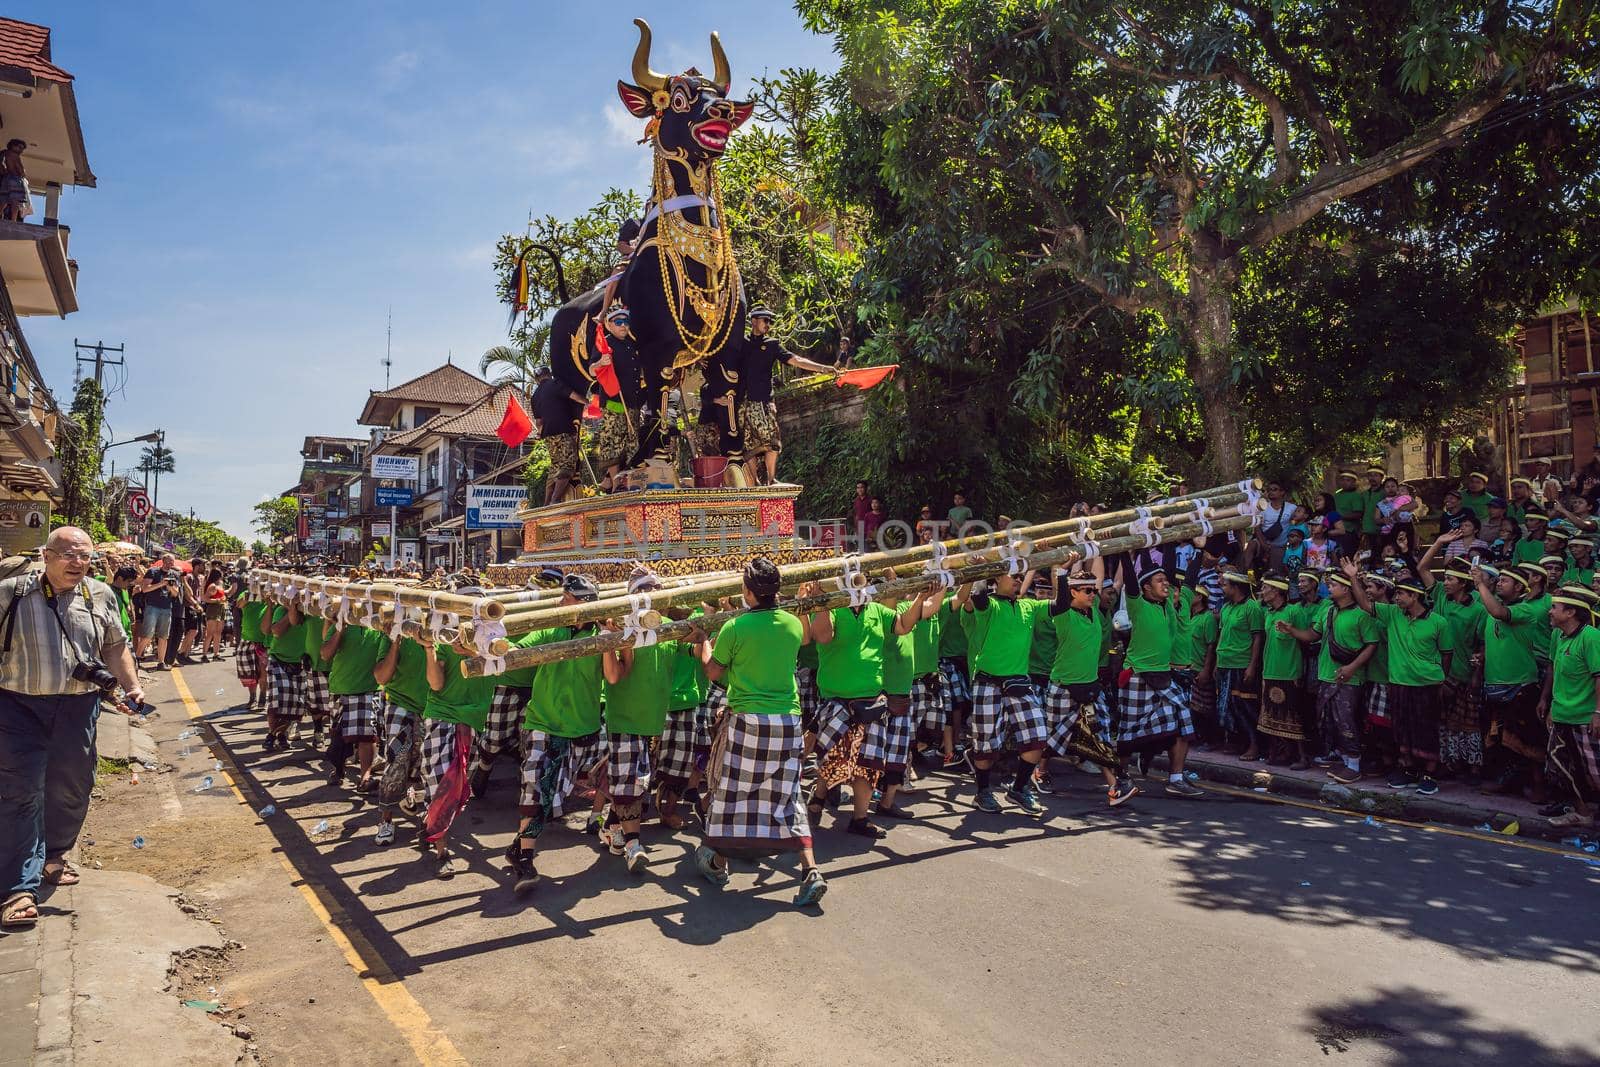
274, 176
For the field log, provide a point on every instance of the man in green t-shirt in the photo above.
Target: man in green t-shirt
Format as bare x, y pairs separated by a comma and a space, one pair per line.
403, 675
456, 709
1530, 547
1349, 640
686, 737
1074, 701
1514, 625
1004, 705
1580, 561
286, 691
353, 653
930, 712
1241, 633
886, 744
1350, 501
851, 656
1571, 700
1419, 647
1154, 710
250, 657
561, 734
754, 804
1282, 664
1376, 476
955, 683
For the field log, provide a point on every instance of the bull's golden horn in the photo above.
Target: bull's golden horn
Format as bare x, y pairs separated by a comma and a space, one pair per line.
721, 77
643, 76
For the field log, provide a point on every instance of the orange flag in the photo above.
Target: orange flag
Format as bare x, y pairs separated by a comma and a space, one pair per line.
866, 377
516, 426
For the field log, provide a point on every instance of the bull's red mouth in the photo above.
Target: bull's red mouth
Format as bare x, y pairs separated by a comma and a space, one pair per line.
713, 134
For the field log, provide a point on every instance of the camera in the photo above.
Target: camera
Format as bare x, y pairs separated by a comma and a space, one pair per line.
96, 674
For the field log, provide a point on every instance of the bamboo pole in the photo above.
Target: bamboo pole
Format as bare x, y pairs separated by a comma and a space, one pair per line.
595, 644
580, 614
416, 628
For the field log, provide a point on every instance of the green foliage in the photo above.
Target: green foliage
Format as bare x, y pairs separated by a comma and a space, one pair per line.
156, 459
276, 518
203, 537
79, 449
511, 365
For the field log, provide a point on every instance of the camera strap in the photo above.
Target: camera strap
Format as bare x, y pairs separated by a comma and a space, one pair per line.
55, 612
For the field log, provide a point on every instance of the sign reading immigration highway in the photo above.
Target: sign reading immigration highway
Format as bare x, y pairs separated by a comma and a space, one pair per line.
494, 507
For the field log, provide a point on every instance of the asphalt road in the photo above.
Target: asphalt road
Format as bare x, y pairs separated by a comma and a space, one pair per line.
1215, 931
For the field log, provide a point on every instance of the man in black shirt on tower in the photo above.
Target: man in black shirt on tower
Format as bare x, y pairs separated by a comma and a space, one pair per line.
758, 415
556, 410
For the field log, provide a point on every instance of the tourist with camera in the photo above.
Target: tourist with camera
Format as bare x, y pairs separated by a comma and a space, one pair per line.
62, 648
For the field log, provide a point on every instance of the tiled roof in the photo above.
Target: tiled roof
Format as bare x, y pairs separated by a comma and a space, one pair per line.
22, 44
480, 420
448, 384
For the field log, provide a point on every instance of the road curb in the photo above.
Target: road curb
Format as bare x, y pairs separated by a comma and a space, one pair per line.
1392, 803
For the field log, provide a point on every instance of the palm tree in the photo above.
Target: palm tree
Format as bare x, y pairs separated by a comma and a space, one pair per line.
157, 460
514, 364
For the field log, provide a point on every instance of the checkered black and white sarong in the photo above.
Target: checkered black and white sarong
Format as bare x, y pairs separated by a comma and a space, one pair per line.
887, 745
753, 785
286, 694
503, 729
1081, 728
1000, 719
805, 682
953, 675
1151, 718
716, 700
833, 720
358, 716
627, 767
319, 701
402, 748
929, 709
249, 659
551, 767
685, 743
438, 748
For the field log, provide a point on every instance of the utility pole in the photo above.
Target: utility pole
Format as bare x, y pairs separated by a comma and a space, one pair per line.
99, 348
388, 348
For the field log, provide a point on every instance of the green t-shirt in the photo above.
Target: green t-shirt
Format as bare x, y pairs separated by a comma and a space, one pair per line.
1477, 503
289, 646
360, 649
1350, 504
1528, 551
925, 648
1576, 575
1508, 644
1042, 653
952, 637
899, 658
851, 665
1150, 645
125, 610
1182, 621
1465, 622
759, 649
564, 699
1007, 635
1237, 627
1203, 632
638, 703
1077, 646
1353, 629
409, 686
250, 621
1369, 523
1545, 641
1282, 657
314, 640
807, 657
462, 700
688, 677
1574, 664
1108, 635
975, 624
1416, 646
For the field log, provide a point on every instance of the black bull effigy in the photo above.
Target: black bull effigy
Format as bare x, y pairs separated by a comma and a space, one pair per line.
681, 284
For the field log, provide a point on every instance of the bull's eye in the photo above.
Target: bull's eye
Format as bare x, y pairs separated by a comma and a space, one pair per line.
680, 100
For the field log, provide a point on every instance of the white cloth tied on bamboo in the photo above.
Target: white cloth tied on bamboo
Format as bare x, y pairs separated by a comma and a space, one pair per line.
485, 633
493, 665
1091, 549
935, 566
633, 627
1012, 554
860, 597
397, 626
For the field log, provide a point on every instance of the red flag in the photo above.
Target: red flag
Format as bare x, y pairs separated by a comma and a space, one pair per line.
593, 410
866, 377
302, 522
516, 426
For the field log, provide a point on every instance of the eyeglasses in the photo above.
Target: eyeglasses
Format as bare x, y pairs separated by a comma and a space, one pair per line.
72, 557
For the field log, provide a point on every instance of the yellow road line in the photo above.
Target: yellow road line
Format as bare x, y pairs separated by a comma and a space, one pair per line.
427, 1041
1432, 828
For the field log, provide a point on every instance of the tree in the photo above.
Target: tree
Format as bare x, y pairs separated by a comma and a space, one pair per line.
511, 365
277, 518
1161, 160
80, 452
154, 461
203, 537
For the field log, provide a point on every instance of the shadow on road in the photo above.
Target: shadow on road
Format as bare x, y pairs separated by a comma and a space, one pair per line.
1415, 1027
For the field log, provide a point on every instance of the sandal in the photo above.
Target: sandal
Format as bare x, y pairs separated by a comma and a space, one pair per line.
20, 912
66, 874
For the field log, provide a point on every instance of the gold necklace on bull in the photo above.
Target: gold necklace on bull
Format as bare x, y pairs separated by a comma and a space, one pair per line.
678, 239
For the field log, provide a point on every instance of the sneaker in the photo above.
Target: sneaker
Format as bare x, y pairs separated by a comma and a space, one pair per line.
1184, 788
270, 744
1121, 793
810, 766
446, 869
319, 740
1026, 799
294, 731
592, 826
336, 776
527, 877
1427, 787
636, 855
1089, 766
1043, 783
812, 887
385, 834
1569, 817
614, 840
705, 861
1345, 775
1326, 761
955, 763
1402, 780
987, 802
